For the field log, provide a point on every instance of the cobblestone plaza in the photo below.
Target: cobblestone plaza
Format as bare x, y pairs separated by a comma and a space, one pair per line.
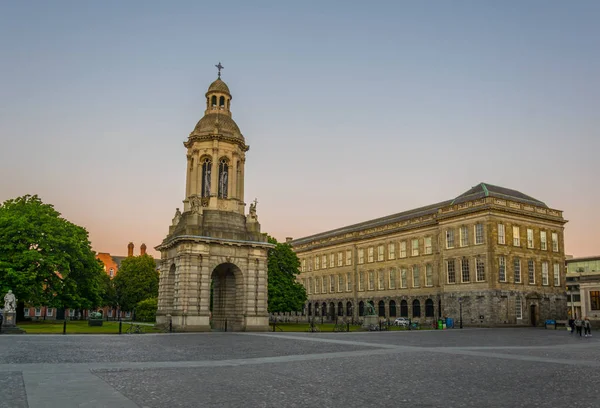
451, 368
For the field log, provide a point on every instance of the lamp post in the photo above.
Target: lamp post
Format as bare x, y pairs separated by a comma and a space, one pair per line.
460, 307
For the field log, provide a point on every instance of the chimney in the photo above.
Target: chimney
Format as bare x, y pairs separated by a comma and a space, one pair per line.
130, 249
288, 240
143, 249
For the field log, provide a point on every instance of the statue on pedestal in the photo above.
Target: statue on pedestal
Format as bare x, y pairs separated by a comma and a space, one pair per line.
10, 302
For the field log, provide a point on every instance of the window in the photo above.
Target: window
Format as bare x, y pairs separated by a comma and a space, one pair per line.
391, 250
465, 272
480, 270
370, 254
38, 312
403, 249
110, 313
361, 256
416, 308
415, 247
371, 280
556, 274
416, 277
323, 284
71, 312
348, 257
501, 269
361, 281
324, 261
543, 241
223, 178
312, 284
428, 247
595, 300
501, 234
317, 262
392, 279
554, 242
403, 280
317, 284
348, 282
451, 271
340, 258
403, 308
206, 177
111, 273
545, 278
478, 234
303, 265
331, 260
428, 275
464, 236
516, 236
127, 314
531, 271
49, 312
331, 284
26, 312
380, 249
449, 239
518, 308
381, 280
429, 308
517, 267
529, 238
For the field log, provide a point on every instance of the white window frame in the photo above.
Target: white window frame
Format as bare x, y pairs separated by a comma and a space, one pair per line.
428, 246
26, 311
317, 262
416, 276
518, 308
340, 283
453, 262
331, 283
479, 269
340, 259
531, 271
361, 281
127, 314
392, 278
545, 274
501, 234
502, 268
428, 275
348, 282
462, 270
543, 241
517, 262
403, 278
463, 236
414, 249
49, 312
516, 236
380, 252
450, 239
38, 312
323, 284
403, 249
371, 283
370, 255
348, 257
71, 312
530, 243
391, 250
556, 274
380, 280
554, 242
479, 235
332, 260
361, 256
110, 313
323, 261
111, 272
303, 267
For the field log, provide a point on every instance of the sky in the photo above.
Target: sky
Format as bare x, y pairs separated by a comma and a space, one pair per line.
352, 110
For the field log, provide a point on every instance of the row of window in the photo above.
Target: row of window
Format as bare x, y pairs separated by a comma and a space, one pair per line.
452, 272
323, 310
50, 312
516, 236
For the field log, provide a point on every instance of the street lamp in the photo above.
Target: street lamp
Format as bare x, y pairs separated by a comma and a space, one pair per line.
460, 306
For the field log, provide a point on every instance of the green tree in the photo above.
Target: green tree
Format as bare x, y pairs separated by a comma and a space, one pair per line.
136, 280
145, 310
45, 259
285, 293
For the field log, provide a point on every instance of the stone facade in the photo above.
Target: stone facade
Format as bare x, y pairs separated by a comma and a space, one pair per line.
213, 242
496, 251
583, 288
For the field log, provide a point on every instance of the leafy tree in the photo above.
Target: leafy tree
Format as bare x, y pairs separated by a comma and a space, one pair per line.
285, 293
145, 310
45, 259
136, 280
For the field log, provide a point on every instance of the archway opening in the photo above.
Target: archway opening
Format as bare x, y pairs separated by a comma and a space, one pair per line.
416, 306
381, 307
227, 312
392, 308
403, 308
429, 308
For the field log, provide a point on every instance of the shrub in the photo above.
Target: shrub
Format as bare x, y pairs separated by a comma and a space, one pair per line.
145, 310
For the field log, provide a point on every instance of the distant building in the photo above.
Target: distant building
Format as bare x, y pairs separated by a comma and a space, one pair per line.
583, 287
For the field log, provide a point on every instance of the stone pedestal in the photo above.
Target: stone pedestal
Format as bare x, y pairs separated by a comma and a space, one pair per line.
370, 320
9, 324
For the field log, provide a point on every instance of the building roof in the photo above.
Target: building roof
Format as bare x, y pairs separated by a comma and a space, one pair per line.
208, 123
483, 190
219, 86
584, 259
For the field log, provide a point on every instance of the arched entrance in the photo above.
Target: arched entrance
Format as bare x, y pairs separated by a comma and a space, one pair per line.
227, 298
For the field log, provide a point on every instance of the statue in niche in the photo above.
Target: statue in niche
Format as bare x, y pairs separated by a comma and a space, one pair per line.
195, 204
10, 302
252, 214
177, 217
206, 192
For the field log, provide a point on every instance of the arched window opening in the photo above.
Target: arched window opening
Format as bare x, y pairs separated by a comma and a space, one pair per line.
331, 310
392, 308
214, 101
429, 308
223, 178
403, 309
340, 309
317, 309
416, 308
349, 309
361, 308
222, 101
206, 177
381, 307
310, 309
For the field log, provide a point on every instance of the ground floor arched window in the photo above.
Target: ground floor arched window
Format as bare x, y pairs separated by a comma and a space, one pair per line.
324, 309
381, 307
416, 306
361, 308
404, 308
340, 309
349, 309
392, 308
429, 308
310, 309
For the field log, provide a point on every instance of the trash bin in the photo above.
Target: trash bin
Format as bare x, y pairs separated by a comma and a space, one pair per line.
440, 324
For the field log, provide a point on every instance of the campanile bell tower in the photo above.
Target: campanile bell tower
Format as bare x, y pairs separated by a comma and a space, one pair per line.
213, 240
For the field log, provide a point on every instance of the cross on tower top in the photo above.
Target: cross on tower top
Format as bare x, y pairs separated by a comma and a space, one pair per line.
219, 67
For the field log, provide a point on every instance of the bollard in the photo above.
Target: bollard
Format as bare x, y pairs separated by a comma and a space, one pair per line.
65, 327
120, 326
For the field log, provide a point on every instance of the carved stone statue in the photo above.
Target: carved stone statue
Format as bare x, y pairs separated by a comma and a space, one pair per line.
195, 204
10, 302
177, 217
253, 209
370, 310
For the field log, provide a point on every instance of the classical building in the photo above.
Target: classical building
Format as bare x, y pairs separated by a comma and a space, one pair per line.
493, 252
583, 287
213, 242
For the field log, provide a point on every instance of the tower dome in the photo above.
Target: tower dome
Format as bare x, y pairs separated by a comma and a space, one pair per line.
218, 86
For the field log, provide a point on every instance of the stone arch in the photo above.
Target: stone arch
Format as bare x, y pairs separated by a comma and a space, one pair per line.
403, 308
381, 308
429, 308
340, 307
324, 309
348, 308
228, 297
392, 308
361, 308
310, 309
416, 308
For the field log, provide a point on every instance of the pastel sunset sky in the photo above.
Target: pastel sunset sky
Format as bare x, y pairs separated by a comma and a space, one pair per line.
353, 110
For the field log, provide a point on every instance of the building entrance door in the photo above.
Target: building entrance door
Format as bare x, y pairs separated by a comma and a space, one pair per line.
532, 317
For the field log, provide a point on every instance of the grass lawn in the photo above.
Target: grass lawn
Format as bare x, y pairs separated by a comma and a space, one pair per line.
78, 327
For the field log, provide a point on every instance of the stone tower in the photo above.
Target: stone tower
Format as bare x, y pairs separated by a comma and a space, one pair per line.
213, 243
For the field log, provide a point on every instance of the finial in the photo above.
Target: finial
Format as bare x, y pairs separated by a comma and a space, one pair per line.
219, 67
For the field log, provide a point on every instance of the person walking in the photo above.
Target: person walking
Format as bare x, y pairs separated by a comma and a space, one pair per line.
572, 325
587, 326
578, 325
